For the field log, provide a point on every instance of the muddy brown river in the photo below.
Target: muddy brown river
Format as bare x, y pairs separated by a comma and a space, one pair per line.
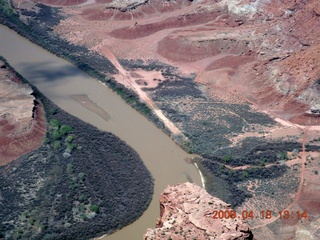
86, 98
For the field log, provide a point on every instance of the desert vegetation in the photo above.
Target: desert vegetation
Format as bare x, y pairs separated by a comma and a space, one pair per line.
39, 30
79, 184
6, 8
217, 175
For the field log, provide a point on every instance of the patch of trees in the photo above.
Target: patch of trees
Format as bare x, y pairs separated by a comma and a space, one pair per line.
6, 8
131, 64
311, 148
207, 123
100, 188
220, 186
229, 178
176, 88
255, 151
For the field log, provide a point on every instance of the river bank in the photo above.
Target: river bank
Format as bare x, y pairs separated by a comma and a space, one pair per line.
60, 80
79, 183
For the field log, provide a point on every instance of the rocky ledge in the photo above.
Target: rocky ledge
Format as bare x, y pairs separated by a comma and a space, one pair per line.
22, 117
186, 212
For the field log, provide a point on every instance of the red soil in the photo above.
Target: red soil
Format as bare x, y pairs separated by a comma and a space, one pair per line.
13, 146
156, 8
103, 1
62, 2
268, 57
230, 62
22, 123
310, 199
96, 14
190, 19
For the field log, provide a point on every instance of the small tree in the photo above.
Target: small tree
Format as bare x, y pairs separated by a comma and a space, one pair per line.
245, 175
57, 145
56, 134
64, 129
94, 208
69, 139
227, 159
54, 123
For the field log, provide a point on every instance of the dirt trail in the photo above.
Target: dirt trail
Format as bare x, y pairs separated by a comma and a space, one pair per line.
129, 81
298, 194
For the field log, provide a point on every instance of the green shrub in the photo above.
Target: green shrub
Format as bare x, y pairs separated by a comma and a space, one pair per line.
82, 176
53, 111
31, 221
70, 168
57, 145
94, 208
54, 123
64, 129
26, 214
83, 217
69, 139
245, 175
56, 134
282, 156
8, 11
46, 141
262, 164
72, 146
6, 8
227, 159
82, 198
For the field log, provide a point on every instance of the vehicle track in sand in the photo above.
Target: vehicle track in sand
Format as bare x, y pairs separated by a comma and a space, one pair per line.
129, 81
298, 194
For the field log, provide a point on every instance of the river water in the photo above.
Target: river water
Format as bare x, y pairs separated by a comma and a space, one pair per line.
60, 81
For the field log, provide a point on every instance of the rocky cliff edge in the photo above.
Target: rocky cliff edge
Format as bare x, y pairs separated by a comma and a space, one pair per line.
186, 212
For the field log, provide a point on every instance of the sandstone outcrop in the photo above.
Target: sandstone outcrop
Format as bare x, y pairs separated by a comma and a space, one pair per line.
22, 121
186, 212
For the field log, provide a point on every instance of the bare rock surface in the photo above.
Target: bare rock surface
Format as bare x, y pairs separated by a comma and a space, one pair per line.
22, 125
186, 212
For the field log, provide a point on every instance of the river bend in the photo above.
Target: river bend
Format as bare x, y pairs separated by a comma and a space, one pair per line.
61, 81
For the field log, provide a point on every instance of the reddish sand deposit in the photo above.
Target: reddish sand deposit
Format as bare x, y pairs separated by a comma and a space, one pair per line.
258, 51
62, 2
128, 80
22, 124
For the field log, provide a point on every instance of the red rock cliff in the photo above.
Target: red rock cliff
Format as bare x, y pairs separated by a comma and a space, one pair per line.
186, 212
22, 118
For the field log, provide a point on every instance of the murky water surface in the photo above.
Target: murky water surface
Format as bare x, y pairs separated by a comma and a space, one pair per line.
60, 81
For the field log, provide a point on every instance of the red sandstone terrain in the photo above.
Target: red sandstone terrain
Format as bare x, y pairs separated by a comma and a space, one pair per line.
187, 212
261, 52
22, 123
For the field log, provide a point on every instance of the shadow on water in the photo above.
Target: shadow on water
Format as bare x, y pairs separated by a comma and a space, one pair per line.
48, 72
59, 81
